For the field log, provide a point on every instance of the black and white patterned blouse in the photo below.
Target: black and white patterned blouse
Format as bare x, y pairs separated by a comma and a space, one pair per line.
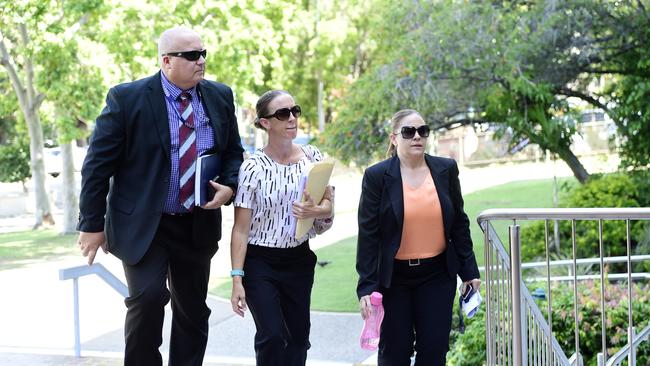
269, 189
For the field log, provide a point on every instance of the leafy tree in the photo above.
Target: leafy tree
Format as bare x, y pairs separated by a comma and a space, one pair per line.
74, 92
516, 63
28, 30
14, 162
629, 92
7, 109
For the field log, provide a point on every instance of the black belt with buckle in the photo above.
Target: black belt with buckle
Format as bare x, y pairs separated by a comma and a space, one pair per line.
415, 262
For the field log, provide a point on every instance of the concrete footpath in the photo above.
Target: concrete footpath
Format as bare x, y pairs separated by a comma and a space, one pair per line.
36, 310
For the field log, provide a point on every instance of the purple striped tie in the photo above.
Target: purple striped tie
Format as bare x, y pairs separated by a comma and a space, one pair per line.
186, 152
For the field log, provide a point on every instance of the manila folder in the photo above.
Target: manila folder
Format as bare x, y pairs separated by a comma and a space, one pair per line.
314, 180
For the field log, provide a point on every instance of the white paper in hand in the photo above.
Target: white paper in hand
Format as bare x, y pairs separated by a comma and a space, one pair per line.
470, 306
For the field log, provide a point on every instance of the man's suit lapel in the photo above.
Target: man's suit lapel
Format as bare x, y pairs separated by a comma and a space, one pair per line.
156, 98
440, 175
393, 184
208, 96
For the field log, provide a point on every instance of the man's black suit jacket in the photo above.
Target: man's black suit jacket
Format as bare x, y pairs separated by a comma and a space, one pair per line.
381, 215
131, 144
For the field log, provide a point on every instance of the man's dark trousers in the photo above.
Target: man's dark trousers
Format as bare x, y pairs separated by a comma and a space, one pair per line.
174, 257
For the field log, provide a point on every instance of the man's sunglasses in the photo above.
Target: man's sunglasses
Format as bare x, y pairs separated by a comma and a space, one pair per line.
283, 114
408, 132
188, 55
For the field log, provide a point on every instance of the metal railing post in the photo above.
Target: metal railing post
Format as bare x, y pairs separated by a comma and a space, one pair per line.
77, 332
515, 275
511, 305
74, 273
630, 321
488, 294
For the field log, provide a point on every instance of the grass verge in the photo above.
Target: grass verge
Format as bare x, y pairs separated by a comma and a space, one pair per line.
335, 283
335, 280
21, 248
521, 194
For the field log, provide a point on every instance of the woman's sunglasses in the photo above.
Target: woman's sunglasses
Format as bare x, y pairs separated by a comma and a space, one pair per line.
188, 55
283, 114
408, 132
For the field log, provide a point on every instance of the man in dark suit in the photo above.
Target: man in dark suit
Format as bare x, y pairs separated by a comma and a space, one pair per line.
136, 198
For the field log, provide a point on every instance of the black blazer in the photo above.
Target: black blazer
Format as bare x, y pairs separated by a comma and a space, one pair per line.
131, 144
381, 215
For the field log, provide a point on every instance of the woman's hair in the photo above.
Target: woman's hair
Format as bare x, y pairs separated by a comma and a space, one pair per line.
395, 122
262, 106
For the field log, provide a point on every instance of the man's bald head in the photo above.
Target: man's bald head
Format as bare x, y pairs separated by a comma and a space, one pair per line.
174, 39
182, 71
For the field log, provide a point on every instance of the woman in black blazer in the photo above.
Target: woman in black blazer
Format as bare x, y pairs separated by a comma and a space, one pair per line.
413, 241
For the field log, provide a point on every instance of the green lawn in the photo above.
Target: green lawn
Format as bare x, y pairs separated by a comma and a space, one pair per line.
335, 283
521, 194
25, 247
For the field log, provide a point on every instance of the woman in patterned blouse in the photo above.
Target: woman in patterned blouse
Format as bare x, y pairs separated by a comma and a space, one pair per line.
273, 272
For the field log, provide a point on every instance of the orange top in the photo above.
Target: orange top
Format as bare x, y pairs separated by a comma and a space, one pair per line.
423, 233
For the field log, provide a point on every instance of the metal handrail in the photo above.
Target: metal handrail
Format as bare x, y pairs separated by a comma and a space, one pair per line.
555, 354
517, 308
73, 273
564, 262
619, 356
623, 213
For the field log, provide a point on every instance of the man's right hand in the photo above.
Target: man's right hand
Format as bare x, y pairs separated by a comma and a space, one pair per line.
89, 243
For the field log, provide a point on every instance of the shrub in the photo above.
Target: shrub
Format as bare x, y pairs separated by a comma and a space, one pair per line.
469, 349
14, 162
589, 318
612, 190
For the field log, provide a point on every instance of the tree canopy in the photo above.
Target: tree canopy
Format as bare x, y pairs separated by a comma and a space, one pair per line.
522, 65
527, 68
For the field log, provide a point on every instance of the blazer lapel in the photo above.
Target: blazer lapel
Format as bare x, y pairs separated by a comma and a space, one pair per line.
156, 98
440, 175
393, 184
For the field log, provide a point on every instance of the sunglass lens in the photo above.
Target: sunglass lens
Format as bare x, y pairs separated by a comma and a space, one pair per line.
190, 55
283, 114
423, 131
408, 132
194, 55
296, 111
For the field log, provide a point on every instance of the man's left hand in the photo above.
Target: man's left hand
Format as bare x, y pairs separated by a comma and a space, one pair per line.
222, 195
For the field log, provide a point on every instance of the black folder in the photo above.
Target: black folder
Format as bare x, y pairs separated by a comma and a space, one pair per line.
208, 167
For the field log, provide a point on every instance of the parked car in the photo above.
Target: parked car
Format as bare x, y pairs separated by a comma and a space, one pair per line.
54, 163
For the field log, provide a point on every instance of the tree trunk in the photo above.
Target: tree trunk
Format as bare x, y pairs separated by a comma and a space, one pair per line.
43, 212
30, 102
574, 164
69, 190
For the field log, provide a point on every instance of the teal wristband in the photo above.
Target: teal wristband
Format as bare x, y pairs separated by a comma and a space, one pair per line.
237, 272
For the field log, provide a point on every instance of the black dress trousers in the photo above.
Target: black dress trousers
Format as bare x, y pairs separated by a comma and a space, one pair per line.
418, 309
175, 268
278, 285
